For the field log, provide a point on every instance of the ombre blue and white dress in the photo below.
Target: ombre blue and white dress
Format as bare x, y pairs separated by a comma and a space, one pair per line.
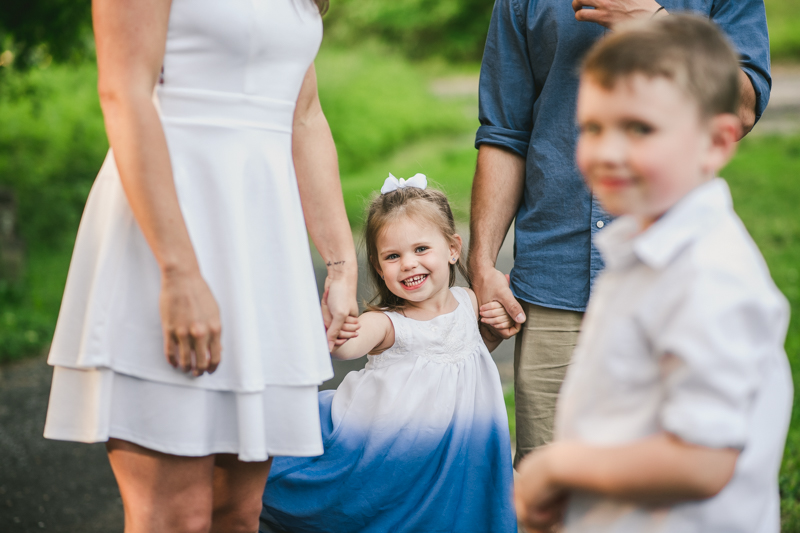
415, 442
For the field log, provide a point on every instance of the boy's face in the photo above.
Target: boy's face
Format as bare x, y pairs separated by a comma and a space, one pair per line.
643, 146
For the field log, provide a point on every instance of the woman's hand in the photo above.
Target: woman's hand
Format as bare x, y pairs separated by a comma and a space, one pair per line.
191, 323
339, 303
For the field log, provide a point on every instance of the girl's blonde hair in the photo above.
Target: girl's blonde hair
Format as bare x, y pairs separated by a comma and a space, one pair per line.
411, 202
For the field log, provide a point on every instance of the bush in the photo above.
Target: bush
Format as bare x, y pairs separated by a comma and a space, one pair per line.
454, 29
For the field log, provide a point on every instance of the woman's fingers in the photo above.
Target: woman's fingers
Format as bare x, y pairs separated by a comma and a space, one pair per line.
184, 349
171, 349
214, 347
199, 339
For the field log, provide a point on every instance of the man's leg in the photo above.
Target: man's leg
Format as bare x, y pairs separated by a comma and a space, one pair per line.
542, 353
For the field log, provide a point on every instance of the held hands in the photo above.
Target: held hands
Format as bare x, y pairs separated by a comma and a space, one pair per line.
498, 304
340, 310
191, 323
609, 13
349, 329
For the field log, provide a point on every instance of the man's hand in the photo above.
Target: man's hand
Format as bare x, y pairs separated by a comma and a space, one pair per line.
609, 13
492, 288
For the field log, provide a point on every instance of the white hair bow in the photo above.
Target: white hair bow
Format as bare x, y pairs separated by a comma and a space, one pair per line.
392, 184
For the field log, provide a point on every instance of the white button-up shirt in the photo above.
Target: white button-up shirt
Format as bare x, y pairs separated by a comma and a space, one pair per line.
684, 333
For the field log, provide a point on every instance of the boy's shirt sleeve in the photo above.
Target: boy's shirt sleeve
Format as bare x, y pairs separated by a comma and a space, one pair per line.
745, 24
715, 350
506, 82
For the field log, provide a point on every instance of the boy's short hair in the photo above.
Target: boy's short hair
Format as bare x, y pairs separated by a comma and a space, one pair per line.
686, 49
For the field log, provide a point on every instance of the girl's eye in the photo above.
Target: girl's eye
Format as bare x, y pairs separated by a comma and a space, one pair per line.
421, 249
391, 256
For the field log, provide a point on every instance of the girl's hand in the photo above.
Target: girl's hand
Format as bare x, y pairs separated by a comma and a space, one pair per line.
539, 502
349, 330
191, 323
495, 315
339, 304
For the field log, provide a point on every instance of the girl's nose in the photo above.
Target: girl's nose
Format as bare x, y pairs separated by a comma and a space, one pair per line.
409, 262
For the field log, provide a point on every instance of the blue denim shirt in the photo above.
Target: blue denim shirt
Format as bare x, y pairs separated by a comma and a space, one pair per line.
528, 90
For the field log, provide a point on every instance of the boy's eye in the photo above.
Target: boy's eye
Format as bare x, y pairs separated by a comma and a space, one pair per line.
421, 249
639, 129
589, 128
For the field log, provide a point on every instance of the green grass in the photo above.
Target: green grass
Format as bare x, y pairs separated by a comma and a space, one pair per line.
783, 19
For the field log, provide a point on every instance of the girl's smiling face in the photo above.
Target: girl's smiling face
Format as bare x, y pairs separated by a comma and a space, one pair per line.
414, 258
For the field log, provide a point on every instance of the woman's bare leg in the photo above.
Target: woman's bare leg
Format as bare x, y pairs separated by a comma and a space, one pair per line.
162, 493
238, 487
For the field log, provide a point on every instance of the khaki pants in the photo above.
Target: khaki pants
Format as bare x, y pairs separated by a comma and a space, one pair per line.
542, 353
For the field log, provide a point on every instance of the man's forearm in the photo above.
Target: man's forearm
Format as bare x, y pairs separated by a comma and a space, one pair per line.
496, 194
747, 103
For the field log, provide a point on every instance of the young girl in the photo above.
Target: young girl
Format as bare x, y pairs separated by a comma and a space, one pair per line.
417, 441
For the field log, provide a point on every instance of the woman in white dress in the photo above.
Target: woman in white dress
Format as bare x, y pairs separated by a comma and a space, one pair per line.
190, 337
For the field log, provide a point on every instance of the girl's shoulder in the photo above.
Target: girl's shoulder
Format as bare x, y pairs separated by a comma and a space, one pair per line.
381, 323
473, 298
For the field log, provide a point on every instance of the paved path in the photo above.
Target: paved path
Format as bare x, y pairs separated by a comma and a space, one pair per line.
68, 487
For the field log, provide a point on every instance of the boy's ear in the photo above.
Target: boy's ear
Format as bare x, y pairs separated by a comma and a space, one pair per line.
725, 130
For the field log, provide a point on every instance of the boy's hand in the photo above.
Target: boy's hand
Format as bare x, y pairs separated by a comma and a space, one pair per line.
609, 13
495, 315
539, 502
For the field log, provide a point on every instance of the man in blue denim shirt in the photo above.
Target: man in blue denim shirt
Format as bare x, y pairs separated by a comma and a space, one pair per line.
526, 169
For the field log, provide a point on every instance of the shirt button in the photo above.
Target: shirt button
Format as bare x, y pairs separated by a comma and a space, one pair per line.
600, 223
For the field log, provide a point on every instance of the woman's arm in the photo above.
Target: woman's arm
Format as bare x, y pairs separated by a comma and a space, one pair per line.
376, 334
662, 469
131, 38
317, 171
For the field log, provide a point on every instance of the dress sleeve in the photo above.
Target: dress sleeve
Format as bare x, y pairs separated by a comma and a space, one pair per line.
745, 23
713, 347
506, 84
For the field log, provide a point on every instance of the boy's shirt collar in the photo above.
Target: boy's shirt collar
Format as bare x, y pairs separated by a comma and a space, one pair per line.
622, 243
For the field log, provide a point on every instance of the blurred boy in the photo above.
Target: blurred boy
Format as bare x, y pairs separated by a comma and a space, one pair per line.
674, 414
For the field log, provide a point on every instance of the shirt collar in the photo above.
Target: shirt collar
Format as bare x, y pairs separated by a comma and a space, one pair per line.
621, 242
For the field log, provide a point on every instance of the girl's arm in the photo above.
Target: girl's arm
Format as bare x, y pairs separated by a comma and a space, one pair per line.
376, 334
131, 38
661, 469
317, 171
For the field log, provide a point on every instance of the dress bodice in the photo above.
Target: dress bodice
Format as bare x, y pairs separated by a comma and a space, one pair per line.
448, 338
253, 47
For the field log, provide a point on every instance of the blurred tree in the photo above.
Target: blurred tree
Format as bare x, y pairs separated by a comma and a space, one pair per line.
35, 31
453, 29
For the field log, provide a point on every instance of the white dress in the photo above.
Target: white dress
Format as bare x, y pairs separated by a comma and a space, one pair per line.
232, 73
415, 442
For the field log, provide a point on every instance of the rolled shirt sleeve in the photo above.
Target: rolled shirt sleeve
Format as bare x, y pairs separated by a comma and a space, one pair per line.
715, 347
745, 23
506, 82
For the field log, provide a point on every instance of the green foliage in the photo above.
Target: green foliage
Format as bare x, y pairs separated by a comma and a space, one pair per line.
455, 29
783, 18
377, 102
35, 30
51, 145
